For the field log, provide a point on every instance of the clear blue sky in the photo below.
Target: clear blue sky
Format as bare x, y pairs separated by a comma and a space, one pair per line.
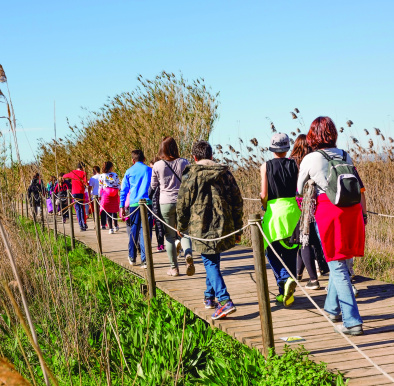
265, 57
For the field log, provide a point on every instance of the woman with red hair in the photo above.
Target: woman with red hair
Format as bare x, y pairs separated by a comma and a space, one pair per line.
341, 228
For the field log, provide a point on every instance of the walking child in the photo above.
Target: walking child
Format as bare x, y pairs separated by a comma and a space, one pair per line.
210, 206
278, 191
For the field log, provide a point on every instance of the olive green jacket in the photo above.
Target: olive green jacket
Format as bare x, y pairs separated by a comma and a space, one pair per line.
209, 206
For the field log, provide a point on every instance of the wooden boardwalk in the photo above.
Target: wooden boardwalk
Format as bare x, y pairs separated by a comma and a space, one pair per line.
375, 300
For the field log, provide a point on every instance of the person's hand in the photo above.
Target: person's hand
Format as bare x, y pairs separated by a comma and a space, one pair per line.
365, 216
123, 212
179, 234
237, 239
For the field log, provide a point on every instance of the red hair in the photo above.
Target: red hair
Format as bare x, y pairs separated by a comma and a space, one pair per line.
300, 149
322, 134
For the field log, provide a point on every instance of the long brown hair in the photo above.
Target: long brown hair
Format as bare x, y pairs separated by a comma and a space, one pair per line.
300, 149
168, 149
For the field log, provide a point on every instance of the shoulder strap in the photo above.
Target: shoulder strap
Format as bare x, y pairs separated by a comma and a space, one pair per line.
325, 155
176, 175
344, 156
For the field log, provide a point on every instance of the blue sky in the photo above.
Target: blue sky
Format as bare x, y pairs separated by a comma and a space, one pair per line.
266, 58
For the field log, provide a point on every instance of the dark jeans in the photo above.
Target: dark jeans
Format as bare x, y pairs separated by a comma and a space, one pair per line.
306, 258
289, 257
160, 239
104, 218
215, 283
80, 209
134, 230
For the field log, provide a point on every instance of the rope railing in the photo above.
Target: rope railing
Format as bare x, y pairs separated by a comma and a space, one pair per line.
370, 212
192, 237
323, 313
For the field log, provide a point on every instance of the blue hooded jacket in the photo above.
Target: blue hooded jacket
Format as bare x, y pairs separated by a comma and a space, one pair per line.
137, 182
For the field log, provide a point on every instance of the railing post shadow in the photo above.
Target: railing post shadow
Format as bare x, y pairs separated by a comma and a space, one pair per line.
97, 223
71, 219
148, 249
262, 284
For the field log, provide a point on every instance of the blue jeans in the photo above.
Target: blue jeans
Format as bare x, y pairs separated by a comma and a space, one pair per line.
79, 209
340, 296
135, 232
289, 257
215, 283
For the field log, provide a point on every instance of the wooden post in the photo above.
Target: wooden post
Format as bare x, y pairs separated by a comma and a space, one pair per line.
22, 203
42, 210
148, 248
71, 219
262, 284
27, 205
54, 216
97, 223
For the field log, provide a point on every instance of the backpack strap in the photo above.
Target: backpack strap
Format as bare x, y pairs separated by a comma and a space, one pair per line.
344, 156
325, 155
176, 175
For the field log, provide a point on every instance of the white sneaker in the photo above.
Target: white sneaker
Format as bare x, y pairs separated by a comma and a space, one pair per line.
132, 262
111, 231
116, 229
144, 266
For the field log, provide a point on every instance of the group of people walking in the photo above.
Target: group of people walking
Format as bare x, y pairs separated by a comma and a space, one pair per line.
315, 214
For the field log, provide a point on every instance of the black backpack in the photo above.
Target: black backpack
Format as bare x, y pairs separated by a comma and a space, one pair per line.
343, 185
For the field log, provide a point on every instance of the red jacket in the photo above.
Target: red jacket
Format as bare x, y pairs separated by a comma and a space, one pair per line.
78, 181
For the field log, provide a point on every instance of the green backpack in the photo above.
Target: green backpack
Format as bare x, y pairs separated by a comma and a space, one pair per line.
343, 185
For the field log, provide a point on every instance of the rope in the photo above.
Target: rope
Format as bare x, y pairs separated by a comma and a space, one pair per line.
192, 237
251, 199
98, 202
319, 309
380, 214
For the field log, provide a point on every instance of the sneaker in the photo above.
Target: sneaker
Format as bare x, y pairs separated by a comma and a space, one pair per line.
86, 227
111, 231
355, 291
355, 330
279, 298
132, 262
103, 228
334, 318
290, 287
299, 277
143, 266
173, 272
190, 268
222, 310
210, 303
116, 230
313, 285
83, 229
178, 248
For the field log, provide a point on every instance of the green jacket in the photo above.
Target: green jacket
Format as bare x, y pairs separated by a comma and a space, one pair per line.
209, 206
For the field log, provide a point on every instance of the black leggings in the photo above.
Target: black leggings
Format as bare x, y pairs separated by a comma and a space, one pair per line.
306, 258
104, 218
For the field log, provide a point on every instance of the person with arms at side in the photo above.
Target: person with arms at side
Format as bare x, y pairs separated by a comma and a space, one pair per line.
136, 181
94, 185
35, 193
310, 252
167, 174
341, 224
51, 186
78, 184
278, 191
210, 206
61, 191
109, 186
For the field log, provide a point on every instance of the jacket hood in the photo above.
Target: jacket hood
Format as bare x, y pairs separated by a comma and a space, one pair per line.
211, 171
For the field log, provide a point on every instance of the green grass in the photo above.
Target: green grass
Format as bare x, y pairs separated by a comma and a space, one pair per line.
209, 357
